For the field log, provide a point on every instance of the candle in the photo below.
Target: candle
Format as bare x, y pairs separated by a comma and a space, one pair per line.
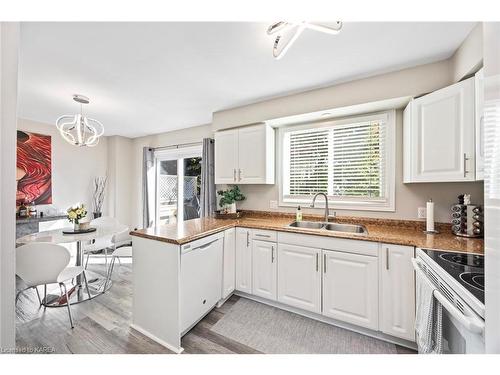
430, 216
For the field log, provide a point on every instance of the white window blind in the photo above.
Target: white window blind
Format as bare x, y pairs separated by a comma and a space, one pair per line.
347, 159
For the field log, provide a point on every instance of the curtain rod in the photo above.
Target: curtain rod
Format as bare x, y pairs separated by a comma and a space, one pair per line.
177, 146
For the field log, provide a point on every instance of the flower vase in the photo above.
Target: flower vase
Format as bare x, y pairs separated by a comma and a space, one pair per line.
76, 226
232, 208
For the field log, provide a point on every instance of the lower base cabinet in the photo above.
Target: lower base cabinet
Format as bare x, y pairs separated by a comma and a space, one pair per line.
397, 291
350, 288
299, 277
264, 269
228, 262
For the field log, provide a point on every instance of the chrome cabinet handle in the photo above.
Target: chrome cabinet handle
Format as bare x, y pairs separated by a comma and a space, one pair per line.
248, 238
234, 174
317, 262
239, 174
272, 254
386, 258
262, 235
324, 263
465, 165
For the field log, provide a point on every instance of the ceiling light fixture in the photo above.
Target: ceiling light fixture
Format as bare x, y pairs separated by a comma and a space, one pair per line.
288, 32
80, 130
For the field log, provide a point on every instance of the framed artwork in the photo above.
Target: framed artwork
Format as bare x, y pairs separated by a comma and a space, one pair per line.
34, 168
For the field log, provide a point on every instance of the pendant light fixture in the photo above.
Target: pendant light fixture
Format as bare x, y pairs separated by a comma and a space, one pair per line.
80, 130
288, 32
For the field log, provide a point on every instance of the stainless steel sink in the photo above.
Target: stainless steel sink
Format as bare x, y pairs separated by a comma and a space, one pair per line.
331, 227
307, 224
349, 228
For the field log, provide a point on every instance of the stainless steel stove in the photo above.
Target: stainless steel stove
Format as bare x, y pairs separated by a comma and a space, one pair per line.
459, 281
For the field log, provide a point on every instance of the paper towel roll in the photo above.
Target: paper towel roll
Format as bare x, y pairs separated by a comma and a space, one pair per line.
430, 216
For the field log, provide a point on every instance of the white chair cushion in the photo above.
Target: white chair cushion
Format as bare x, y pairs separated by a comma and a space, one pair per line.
69, 273
125, 251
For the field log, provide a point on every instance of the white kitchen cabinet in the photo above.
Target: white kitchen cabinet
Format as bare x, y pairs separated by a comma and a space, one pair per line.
479, 124
350, 288
397, 291
299, 277
228, 273
243, 258
245, 155
226, 156
264, 267
439, 135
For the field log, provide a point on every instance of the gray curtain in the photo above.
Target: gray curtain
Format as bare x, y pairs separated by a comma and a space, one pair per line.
208, 194
148, 177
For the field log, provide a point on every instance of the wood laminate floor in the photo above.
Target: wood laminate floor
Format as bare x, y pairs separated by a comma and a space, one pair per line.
102, 325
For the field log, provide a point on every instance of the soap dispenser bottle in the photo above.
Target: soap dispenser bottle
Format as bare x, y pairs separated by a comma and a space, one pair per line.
298, 214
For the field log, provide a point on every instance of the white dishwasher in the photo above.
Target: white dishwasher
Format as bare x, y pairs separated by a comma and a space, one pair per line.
201, 279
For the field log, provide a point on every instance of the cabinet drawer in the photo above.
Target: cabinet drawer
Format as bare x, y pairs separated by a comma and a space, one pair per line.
330, 243
264, 235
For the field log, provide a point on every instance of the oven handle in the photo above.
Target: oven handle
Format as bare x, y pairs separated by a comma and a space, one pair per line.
471, 323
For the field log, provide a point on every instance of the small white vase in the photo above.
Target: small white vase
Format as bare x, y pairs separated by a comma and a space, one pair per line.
231, 208
76, 226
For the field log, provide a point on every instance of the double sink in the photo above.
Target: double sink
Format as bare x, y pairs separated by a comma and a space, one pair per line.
332, 227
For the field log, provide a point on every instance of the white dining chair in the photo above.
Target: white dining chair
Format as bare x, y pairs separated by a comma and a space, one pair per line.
47, 263
121, 252
106, 243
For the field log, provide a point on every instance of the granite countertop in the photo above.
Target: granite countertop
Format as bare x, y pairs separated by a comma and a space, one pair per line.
24, 220
379, 230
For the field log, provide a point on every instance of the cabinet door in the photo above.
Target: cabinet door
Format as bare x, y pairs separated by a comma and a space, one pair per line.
441, 136
228, 274
243, 254
226, 156
264, 268
397, 291
479, 139
350, 288
256, 155
299, 277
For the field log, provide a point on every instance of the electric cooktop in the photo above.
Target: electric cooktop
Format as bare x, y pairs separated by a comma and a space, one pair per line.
466, 268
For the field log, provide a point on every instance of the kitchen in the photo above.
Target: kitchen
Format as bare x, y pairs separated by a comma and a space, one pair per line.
344, 210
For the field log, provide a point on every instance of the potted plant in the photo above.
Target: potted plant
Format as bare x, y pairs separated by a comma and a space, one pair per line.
75, 214
229, 198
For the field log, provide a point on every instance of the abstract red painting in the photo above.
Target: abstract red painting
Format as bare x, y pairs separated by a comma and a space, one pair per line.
34, 168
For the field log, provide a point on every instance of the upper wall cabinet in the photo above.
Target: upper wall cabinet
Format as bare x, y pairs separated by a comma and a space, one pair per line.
479, 89
439, 139
245, 155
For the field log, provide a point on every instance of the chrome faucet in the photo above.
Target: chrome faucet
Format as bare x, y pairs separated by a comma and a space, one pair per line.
327, 210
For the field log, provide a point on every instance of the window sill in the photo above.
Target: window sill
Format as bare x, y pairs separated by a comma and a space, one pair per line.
335, 205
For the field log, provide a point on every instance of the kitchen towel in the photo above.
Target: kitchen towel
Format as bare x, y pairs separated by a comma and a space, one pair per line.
428, 321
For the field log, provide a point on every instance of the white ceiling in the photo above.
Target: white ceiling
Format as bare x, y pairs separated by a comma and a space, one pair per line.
145, 78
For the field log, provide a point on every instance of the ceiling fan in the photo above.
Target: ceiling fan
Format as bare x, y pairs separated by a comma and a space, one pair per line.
288, 32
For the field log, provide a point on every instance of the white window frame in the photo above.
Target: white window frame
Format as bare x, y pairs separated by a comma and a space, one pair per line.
346, 203
178, 154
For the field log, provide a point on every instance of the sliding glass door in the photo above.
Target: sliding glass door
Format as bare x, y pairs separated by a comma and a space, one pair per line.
178, 181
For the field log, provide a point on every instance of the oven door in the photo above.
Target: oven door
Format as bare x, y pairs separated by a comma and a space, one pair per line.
463, 329
458, 338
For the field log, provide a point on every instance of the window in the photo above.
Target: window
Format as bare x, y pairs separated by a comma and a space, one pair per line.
178, 181
352, 160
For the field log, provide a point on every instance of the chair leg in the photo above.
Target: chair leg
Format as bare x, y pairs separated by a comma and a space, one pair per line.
87, 262
67, 304
38, 295
106, 259
86, 284
110, 271
45, 295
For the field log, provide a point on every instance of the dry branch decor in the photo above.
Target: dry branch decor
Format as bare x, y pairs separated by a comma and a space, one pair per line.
98, 195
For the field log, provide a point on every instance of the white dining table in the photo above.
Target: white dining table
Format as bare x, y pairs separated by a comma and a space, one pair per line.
98, 284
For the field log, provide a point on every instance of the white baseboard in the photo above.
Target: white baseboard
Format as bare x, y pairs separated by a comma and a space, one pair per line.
334, 322
156, 339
